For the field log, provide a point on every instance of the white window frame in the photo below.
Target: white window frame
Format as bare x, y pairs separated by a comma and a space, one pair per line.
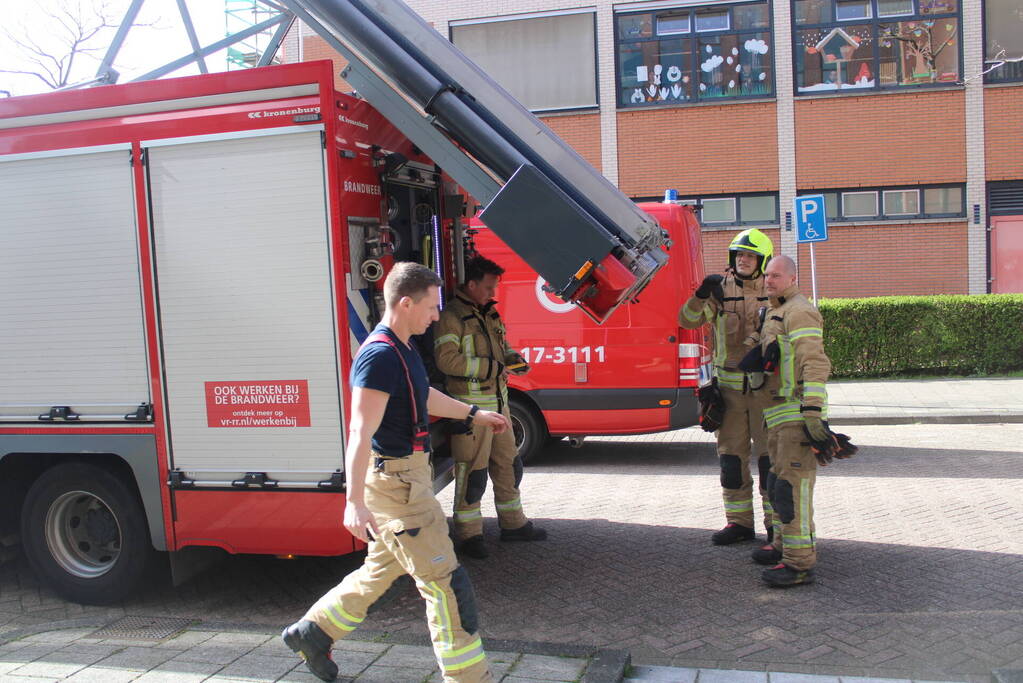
910, 13
884, 200
688, 29
732, 220
845, 214
868, 15
725, 12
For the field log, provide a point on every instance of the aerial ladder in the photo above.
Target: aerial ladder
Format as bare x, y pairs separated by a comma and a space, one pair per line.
569, 223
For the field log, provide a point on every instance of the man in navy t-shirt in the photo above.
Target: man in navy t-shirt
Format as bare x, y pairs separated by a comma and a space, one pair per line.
390, 502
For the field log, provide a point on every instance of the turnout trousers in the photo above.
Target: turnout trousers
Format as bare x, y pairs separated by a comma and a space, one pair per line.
791, 481
742, 437
476, 455
413, 540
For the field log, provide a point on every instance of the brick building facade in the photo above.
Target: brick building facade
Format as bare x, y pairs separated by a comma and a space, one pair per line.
878, 104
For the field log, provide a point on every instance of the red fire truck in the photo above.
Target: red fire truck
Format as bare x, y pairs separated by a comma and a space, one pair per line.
635, 374
190, 264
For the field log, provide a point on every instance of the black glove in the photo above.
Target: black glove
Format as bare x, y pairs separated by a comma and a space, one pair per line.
753, 361
772, 355
846, 448
711, 285
712, 406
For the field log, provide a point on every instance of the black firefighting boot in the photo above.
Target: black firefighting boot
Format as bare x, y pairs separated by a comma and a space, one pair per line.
782, 575
732, 533
474, 547
526, 532
766, 555
770, 535
312, 645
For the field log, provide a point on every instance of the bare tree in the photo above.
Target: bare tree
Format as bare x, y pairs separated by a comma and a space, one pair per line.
919, 42
73, 29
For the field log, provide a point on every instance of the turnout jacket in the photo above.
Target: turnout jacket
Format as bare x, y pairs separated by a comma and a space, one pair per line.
734, 320
471, 350
796, 326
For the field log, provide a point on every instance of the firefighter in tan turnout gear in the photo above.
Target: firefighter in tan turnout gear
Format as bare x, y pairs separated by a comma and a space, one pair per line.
390, 502
796, 410
731, 304
471, 350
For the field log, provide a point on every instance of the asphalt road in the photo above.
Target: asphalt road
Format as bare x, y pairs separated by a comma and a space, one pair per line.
920, 539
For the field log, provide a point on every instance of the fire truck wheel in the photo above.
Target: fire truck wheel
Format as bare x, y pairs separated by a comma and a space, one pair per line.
84, 532
529, 429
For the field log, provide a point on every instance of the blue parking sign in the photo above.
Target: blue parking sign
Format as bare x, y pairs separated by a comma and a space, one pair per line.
811, 220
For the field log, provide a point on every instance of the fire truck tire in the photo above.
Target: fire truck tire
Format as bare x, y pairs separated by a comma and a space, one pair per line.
529, 429
84, 533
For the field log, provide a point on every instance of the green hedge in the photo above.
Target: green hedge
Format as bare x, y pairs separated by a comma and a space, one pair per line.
892, 335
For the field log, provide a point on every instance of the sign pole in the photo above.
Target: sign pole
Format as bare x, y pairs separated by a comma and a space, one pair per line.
813, 274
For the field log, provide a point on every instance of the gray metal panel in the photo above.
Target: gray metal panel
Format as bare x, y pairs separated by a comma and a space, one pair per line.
245, 295
565, 234
506, 110
71, 309
138, 450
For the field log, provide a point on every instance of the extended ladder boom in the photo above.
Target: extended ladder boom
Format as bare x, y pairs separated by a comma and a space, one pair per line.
570, 224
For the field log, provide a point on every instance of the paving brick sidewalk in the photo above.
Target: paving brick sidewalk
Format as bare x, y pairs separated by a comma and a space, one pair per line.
94, 652
960, 400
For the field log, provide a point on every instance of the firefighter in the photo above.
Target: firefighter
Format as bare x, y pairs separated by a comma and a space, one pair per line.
796, 407
390, 502
471, 351
731, 304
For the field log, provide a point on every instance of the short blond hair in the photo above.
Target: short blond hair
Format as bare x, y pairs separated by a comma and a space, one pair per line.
408, 279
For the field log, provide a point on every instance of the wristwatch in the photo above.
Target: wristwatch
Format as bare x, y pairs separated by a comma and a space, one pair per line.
473, 409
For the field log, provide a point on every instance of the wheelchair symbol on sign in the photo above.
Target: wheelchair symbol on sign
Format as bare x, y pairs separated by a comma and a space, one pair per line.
811, 233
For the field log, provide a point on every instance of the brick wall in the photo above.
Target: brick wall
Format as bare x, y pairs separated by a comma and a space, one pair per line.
581, 131
887, 260
715, 247
314, 47
698, 150
903, 138
1003, 113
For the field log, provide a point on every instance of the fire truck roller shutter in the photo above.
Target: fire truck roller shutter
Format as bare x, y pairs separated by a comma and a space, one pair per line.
244, 268
69, 274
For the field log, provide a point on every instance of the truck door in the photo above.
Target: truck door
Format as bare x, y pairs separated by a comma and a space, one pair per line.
246, 309
70, 279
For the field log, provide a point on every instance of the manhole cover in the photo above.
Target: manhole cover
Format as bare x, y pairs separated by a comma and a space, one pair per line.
142, 628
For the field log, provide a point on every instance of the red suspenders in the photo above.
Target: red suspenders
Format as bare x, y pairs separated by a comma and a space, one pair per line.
420, 430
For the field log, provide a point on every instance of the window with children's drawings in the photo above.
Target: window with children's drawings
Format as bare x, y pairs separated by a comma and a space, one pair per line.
848, 46
692, 54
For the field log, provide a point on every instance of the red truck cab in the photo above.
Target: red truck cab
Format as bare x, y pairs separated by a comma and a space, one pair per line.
635, 374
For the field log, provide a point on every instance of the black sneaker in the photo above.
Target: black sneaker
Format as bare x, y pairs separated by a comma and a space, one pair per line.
312, 645
732, 533
474, 547
783, 575
526, 532
766, 555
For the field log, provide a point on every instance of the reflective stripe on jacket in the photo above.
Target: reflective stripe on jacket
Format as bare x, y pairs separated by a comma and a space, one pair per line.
734, 322
803, 367
471, 350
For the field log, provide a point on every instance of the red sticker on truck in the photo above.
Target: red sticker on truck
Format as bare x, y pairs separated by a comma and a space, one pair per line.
283, 403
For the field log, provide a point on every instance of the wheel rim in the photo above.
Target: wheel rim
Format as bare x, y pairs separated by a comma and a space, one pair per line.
519, 430
83, 534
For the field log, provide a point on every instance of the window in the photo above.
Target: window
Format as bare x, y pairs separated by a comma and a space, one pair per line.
901, 202
859, 204
938, 201
718, 210
684, 55
1003, 37
519, 54
852, 45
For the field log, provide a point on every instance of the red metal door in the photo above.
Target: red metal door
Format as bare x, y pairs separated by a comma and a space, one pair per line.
1006, 254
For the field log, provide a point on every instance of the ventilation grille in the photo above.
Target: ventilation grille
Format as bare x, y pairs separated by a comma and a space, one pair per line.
1005, 198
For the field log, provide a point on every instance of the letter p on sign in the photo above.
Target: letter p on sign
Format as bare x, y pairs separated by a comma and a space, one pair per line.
811, 222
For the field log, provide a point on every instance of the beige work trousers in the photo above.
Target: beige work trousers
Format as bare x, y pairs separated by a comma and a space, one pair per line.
413, 540
793, 475
742, 434
476, 455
